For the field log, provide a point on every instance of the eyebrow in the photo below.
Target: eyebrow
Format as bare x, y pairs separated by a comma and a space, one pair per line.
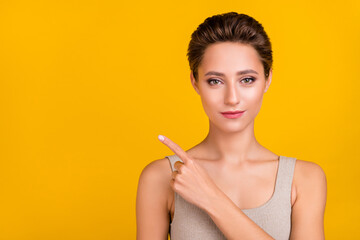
238, 73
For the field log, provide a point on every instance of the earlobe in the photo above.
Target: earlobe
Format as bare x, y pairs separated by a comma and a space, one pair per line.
193, 82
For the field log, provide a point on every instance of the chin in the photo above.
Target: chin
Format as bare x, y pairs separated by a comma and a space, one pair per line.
234, 129
230, 127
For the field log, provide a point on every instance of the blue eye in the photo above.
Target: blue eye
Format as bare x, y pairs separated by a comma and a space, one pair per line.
213, 81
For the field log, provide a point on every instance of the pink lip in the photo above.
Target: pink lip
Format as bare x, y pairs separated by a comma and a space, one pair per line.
230, 114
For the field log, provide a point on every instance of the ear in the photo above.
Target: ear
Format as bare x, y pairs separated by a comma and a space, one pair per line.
268, 80
193, 82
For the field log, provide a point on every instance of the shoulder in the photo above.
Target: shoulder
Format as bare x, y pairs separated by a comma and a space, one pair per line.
306, 171
308, 210
153, 187
309, 178
157, 171
152, 211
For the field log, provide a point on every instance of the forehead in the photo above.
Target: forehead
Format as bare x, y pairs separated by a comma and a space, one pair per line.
230, 57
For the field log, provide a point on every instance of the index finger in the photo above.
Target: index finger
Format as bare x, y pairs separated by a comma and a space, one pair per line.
174, 147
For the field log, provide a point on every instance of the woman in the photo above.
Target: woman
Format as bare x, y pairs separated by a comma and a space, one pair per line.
229, 186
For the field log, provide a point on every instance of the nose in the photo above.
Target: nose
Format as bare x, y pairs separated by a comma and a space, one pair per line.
232, 95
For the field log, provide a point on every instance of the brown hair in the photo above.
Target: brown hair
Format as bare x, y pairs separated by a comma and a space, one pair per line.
229, 27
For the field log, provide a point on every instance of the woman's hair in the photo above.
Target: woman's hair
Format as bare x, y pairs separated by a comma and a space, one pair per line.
229, 27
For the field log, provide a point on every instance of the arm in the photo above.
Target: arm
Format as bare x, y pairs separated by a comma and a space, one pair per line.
152, 216
231, 221
308, 210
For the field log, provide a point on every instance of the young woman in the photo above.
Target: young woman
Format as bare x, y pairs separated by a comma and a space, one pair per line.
229, 186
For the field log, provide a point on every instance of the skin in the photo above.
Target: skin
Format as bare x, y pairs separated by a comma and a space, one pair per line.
229, 154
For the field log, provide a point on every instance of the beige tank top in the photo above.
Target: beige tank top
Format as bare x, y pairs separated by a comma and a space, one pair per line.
274, 216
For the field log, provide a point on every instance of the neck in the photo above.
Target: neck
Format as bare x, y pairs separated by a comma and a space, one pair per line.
231, 147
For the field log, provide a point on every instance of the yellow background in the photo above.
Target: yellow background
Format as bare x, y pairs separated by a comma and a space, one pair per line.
86, 87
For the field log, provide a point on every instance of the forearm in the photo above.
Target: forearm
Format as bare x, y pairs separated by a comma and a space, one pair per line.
231, 221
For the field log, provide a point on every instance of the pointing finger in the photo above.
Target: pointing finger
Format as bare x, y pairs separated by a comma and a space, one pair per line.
174, 147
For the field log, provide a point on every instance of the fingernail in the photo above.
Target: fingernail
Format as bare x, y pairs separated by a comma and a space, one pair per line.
161, 138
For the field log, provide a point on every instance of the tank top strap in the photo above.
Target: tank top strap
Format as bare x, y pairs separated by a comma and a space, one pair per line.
173, 158
285, 175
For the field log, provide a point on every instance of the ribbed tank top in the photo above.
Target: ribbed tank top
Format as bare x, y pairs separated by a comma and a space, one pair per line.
274, 216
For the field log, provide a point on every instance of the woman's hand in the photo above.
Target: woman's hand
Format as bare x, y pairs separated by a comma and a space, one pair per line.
190, 180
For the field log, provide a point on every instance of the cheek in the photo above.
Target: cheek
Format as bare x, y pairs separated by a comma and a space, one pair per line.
253, 99
211, 101
252, 95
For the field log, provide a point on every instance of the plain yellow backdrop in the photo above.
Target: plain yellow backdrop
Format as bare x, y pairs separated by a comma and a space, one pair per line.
86, 87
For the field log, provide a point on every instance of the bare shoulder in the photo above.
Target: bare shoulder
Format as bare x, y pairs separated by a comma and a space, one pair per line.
152, 211
308, 171
154, 181
309, 177
307, 217
157, 171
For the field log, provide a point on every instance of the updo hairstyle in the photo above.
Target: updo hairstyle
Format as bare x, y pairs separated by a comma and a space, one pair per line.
229, 27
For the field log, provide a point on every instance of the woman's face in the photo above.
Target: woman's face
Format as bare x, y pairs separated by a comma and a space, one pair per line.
231, 78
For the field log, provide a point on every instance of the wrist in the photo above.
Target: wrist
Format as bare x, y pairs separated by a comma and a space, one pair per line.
217, 203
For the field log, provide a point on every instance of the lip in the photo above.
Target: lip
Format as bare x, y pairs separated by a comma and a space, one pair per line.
232, 114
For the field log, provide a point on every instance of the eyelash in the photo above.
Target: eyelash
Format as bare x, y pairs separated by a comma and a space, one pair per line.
213, 79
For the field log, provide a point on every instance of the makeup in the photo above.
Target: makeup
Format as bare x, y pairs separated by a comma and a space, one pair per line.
232, 114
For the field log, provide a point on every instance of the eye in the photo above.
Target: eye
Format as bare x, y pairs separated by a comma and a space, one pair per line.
213, 81
248, 80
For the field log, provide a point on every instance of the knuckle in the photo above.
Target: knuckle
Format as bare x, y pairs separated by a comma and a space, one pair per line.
189, 161
180, 178
175, 186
